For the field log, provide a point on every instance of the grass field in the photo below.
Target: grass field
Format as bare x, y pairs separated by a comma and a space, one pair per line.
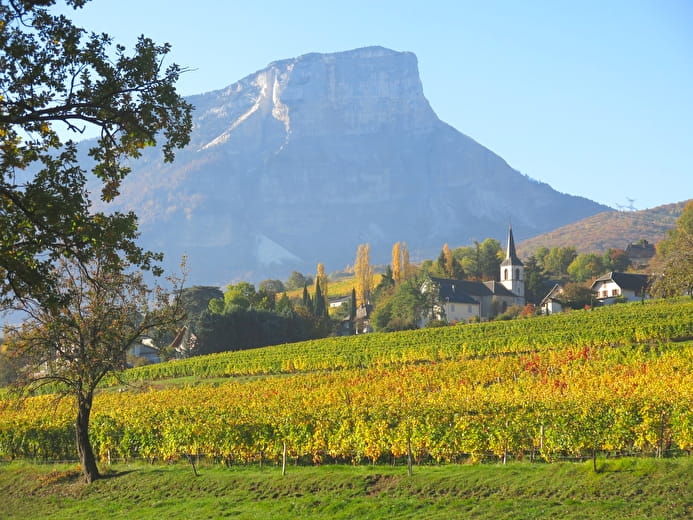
623, 488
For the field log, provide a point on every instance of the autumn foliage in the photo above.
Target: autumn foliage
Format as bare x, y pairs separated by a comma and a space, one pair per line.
612, 380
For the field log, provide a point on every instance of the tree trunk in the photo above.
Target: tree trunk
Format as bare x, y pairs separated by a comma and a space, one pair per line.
86, 452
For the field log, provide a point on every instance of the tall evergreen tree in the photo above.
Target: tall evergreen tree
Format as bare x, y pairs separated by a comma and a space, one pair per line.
322, 278
319, 305
535, 288
352, 307
284, 307
307, 302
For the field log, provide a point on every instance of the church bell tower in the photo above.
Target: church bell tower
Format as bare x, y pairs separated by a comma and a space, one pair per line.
512, 271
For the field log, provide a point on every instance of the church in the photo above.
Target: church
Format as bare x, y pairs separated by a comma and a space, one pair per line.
464, 300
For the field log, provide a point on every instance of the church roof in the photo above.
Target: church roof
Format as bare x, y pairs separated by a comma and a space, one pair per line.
457, 291
498, 289
511, 257
466, 291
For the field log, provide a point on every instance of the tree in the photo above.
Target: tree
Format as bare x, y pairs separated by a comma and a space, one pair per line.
402, 308
352, 310
586, 266
557, 260
468, 257
244, 296
540, 254
321, 277
271, 286
448, 265
196, 299
104, 309
576, 296
319, 304
387, 280
284, 307
10, 365
674, 258
407, 270
363, 274
307, 302
241, 295
397, 267
297, 281
535, 287
490, 257
616, 260
56, 77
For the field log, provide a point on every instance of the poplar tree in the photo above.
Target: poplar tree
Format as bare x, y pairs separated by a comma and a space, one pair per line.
406, 266
363, 274
397, 262
401, 270
322, 278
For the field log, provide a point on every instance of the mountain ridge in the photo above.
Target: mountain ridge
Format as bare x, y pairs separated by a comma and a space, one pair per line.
303, 160
609, 230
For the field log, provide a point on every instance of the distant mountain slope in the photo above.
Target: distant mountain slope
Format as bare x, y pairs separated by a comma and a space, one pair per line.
611, 229
304, 160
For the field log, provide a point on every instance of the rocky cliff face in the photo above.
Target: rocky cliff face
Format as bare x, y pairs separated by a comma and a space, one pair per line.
309, 157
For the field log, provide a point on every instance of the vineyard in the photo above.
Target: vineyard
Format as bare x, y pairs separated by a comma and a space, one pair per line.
617, 380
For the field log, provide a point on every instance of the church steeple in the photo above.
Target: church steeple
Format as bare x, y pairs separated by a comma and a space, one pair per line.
512, 270
510, 255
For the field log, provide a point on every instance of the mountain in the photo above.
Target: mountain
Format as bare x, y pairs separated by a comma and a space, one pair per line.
307, 158
611, 229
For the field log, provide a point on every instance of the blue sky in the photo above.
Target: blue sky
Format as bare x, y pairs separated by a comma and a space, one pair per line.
593, 97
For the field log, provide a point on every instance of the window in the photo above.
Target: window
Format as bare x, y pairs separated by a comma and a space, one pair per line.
505, 274
614, 292
517, 273
605, 293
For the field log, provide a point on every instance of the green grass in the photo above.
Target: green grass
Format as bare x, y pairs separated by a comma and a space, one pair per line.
626, 488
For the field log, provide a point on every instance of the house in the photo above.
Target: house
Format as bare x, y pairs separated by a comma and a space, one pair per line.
362, 324
145, 350
613, 285
640, 253
551, 302
463, 300
335, 303
456, 300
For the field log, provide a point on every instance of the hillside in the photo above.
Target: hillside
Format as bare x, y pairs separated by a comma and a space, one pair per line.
369, 410
610, 229
367, 394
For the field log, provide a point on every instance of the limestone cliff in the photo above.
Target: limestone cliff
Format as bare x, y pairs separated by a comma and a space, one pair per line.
302, 161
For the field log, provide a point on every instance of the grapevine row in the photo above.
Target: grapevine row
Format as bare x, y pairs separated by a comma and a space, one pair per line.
623, 325
567, 401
